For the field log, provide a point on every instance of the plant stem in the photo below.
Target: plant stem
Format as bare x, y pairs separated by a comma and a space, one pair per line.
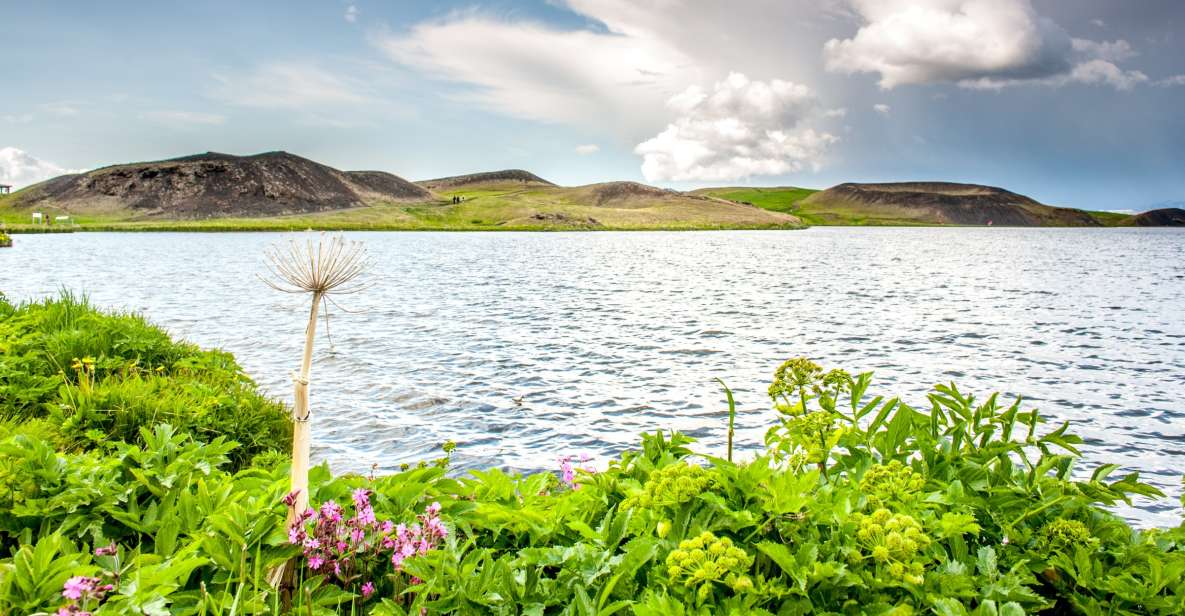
300, 416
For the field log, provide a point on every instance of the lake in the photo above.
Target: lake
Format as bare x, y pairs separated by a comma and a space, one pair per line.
605, 335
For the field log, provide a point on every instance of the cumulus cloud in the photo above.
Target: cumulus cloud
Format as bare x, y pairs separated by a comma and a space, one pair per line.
185, 118
20, 169
975, 43
351, 13
741, 129
1175, 80
614, 72
587, 148
286, 85
881, 108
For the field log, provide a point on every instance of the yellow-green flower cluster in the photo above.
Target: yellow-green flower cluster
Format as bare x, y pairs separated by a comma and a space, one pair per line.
671, 486
895, 541
702, 561
835, 382
894, 481
814, 432
791, 380
1062, 534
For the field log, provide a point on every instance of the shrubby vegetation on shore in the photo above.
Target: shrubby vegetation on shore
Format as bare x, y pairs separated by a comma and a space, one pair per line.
139, 476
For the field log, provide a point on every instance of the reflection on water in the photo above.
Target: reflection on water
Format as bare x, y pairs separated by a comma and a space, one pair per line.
604, 335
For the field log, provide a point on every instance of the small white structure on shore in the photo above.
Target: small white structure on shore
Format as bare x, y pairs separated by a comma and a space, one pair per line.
61, 219
38, 218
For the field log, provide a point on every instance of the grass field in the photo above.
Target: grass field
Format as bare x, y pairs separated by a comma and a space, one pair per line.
510, 207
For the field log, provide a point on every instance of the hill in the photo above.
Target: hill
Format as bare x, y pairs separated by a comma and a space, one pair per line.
911, 203
516, 177
1166, 217
214, 185
946, 203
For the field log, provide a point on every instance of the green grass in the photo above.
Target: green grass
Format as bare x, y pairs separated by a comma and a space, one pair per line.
780, 199
94, 376
1110, 219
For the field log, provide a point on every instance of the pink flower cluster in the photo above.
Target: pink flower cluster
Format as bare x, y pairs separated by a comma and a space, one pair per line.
86, 592
568, 471
417, 539
81, 591
347, 549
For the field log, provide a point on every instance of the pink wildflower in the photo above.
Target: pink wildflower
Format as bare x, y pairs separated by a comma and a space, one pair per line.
367, 590
331, 511
107, 550
77, 586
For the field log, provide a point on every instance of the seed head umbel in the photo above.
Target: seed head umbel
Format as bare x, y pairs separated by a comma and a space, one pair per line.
329, 266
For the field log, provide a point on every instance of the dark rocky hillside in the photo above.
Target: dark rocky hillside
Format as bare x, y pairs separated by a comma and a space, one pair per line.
1167, 217
948, 203
219, 185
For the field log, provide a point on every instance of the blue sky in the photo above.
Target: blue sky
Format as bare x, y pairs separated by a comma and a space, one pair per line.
1074, 103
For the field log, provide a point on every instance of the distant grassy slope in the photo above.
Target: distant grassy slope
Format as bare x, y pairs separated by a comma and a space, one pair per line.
1111, 219
792, 200
776, 199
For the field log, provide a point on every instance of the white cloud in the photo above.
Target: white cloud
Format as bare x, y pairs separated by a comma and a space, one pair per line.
529, 70
1099, 23
1104, 72
1175, 80
587, 148
741, 129
838, 112
975, 43
881, 108
64, 109
287, 85
351, 13
23, 118
20, 169
1111, 51
185, 118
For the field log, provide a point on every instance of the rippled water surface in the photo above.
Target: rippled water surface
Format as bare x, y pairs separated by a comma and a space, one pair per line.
604, 335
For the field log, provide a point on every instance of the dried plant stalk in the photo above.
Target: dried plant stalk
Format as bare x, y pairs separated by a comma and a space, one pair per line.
331, 266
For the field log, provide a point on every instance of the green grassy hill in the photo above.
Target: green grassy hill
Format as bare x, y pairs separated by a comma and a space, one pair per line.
919, 208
